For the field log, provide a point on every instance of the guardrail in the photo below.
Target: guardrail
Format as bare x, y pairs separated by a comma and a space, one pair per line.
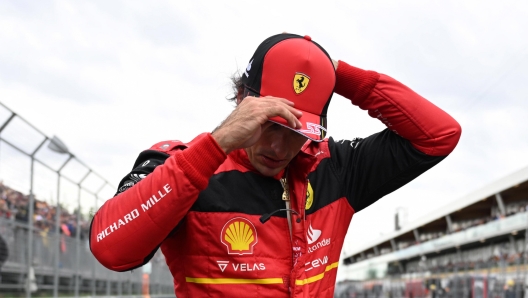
93, 278
47, 250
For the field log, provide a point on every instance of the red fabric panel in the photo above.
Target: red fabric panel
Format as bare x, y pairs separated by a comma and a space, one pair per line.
354, 83
145, 214
427, 127
237, 160
298, 56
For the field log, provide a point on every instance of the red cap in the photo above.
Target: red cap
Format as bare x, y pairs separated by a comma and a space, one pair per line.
295, 68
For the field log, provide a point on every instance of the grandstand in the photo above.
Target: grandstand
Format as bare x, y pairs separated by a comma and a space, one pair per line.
47, 198
473, 247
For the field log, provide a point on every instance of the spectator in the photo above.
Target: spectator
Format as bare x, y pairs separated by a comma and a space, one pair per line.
13, 205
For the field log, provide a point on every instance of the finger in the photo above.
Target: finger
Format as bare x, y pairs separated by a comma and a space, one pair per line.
296, 123
287, 115
284, 113
279, 99
274, 106
289, 105
295, 112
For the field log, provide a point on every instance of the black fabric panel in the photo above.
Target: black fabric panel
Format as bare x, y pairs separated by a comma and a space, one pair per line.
145, 261
373, 167
145, 164
235, 191
325, 185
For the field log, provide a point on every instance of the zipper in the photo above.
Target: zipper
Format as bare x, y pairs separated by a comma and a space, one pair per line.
286, 199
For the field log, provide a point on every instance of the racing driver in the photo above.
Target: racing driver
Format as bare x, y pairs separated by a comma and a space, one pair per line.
260, 206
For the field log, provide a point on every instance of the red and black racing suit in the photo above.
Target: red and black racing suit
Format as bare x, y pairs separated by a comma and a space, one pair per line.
203, 207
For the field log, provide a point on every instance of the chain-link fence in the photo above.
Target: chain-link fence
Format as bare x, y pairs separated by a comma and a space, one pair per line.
47, 198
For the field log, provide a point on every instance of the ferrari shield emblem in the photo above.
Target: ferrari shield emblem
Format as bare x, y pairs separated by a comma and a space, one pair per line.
300, 82
309, 196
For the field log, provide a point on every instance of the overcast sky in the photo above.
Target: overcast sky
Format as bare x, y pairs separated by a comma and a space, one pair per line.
111, 78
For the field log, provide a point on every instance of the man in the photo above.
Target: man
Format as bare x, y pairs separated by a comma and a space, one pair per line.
260, 206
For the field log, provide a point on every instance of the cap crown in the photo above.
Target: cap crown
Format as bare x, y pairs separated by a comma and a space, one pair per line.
295, 68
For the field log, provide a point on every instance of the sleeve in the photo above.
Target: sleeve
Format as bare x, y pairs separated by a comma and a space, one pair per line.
150, 202
418, 136
145, 164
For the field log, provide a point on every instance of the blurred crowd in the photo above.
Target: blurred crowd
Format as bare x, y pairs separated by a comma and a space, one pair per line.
510, 209
454, 265
14, 206
469, 286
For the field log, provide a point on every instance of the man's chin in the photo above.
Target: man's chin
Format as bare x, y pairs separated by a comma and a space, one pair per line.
266, 171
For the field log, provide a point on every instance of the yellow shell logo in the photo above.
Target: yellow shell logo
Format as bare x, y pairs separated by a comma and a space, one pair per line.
239, 236
300, 82
309, 196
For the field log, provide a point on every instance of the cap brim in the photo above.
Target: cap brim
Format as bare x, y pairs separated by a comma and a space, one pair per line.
313, 126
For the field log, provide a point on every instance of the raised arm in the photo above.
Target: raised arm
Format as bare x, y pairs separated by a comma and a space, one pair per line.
430, 129
163, 185
166, 181
418, 136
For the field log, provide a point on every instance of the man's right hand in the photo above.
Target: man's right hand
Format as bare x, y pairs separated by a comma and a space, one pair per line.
243, 127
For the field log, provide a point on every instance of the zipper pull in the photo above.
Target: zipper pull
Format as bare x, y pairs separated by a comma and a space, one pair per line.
286, 193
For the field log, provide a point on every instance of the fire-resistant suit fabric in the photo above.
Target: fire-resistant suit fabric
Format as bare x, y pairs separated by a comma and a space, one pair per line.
203, 206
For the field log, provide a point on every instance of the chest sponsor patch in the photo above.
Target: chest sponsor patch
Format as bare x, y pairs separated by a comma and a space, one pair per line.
316, 263
309, 196
314, 235
245, 267
239, 236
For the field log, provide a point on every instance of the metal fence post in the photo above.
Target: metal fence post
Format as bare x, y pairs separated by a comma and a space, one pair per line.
57, 233
120, 288
29, 257
78, 236
108, 287
31, 211
94, 263
57, 241
78, 243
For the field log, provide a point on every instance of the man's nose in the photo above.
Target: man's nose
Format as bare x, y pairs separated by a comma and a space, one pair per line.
279, 144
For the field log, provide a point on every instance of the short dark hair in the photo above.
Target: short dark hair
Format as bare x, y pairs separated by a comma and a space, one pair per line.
237, 86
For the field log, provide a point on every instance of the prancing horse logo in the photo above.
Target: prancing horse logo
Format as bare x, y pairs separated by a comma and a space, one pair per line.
300, 82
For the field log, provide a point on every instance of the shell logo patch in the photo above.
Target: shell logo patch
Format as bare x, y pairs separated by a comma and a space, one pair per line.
239, 236
309, 196
300, 82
